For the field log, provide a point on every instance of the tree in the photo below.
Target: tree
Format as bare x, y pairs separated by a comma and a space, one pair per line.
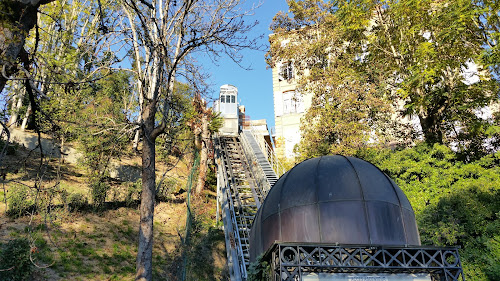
69, 51
412, 54
425, 47
347, 110
101, 128
164, 36
17, 18
203, 123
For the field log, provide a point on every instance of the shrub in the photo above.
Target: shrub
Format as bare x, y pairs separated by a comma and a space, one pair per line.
77, 201
165, 189
456, 202
133, 192
11, 147
98, 190
15, 260
19, 201
259, 270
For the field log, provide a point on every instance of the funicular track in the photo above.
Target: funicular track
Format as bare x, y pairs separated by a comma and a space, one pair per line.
240, 194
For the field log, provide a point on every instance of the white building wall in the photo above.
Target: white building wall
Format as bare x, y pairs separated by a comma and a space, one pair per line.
289, 108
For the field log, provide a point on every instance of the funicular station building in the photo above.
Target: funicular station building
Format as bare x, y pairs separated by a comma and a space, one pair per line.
341, 218
327, 218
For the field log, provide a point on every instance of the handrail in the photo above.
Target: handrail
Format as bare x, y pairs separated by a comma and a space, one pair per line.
234, 242
260, 177
271, 156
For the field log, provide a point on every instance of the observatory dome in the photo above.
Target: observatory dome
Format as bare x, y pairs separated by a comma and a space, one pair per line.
334, 199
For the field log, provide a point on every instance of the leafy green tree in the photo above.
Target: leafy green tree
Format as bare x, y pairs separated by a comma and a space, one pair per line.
455, 203
425, 47
102, 130
412, 55
348, 109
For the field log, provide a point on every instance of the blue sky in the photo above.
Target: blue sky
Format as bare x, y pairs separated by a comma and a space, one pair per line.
255, 88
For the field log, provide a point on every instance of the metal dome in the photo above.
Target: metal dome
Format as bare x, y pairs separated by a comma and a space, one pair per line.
334, 199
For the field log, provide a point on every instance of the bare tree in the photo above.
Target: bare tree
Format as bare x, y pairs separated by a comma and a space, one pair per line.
163, 36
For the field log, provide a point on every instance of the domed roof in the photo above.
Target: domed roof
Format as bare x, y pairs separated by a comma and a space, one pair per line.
334, 199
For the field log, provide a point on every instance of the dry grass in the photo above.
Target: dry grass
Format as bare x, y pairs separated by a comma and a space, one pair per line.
88, 245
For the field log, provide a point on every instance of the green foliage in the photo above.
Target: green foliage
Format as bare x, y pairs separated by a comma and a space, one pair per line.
176, 112
72, 201
165, 188
77, 202
361, 59
133, 192
259, 270
211, 181
10, 149
470, 218
216, 122
456, 203
19, 201
15, 264
99, 190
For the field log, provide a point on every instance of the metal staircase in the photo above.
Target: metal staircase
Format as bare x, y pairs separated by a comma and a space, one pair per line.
243, 179
262, 159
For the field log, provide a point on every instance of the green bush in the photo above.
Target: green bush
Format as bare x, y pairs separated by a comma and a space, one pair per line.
99, 190
133, 192
77, 202
211, 181
15, 260
165, 189
19, 201
455, 202
259, 270
11, 147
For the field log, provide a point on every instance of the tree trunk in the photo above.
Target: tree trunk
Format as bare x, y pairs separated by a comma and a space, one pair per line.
17, 103
144, 260
135, 143
26, 117
431, 128
17, 18
205, 139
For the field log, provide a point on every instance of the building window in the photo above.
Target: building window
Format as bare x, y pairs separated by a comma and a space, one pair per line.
292, 103
286, 71
233, 100
222, 99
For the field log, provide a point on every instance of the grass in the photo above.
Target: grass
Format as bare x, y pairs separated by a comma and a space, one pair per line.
82, 244
103, 246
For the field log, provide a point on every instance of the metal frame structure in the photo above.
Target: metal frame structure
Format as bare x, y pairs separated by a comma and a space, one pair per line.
236, 265
271, 157
242, 186
263, 180
291, 261
239, 194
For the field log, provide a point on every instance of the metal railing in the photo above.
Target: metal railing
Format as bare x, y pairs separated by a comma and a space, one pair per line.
293, 261
257, 171
236, 263
278, 168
